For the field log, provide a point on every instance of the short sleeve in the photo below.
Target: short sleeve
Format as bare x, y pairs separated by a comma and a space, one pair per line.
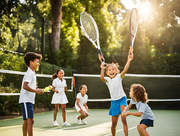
107, 79
53, 83
87, 98
28, 77
65, 83
78, 95
142, 107
132, 101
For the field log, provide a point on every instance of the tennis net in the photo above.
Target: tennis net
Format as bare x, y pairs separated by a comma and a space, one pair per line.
10, 86
10, 81
163, 90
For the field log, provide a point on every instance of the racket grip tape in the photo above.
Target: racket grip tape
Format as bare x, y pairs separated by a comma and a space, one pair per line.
99, 51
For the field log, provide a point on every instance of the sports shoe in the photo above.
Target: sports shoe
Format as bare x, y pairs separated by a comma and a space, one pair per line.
55, 124
66, 124
84, 122
78, 120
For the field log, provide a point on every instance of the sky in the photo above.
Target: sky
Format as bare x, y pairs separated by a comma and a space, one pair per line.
129, 3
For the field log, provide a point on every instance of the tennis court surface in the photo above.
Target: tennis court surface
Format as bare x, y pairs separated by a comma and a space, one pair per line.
166, 123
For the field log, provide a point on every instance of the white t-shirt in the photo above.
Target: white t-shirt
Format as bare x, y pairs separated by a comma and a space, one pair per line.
115, 87
27, 96
144, 108
82, 101
59, 97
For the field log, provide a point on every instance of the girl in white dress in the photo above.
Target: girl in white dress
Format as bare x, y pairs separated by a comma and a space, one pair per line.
81, 104
59, 96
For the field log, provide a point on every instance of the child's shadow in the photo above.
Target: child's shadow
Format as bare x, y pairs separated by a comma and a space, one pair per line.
72, 127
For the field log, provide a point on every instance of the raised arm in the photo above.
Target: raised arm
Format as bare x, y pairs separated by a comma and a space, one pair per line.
100, 57
102, 73
126, 67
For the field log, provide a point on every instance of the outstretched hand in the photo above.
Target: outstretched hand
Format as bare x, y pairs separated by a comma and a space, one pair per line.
102, 65
131, 55
100, 57
40, 91
130, 50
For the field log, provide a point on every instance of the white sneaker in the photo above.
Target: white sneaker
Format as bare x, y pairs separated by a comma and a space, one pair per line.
66, 124
55, 124
78, 120
84, 122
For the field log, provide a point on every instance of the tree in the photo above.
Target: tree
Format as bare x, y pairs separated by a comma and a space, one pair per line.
56, 21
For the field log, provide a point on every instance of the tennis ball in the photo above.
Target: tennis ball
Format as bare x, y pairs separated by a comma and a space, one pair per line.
48, 88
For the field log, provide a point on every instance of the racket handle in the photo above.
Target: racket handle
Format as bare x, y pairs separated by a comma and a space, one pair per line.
99, 51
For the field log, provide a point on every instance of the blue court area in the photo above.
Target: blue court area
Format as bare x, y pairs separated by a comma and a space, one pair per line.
166, 123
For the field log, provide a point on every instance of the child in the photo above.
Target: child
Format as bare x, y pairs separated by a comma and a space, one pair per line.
59, 97
118, 97
81, 104
28, 90
139, 97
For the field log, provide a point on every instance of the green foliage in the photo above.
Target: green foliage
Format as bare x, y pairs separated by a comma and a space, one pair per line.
12, 62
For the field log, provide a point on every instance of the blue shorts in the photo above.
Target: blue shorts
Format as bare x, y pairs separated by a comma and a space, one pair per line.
115, 106
27, 110
147, 122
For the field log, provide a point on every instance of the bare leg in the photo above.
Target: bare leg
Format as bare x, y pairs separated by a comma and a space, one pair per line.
63, 108
30, 122
142, 130
114, 124
83, 115
123, 119
24, 128
55, 111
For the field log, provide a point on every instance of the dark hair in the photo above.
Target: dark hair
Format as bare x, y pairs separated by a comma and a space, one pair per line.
55, 74
139, 92
31, 56
80, 88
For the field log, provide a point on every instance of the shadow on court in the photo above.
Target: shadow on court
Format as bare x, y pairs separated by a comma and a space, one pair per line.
166, 123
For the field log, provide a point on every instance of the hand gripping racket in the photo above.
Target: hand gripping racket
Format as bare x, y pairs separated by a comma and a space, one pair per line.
133, 25
90, 29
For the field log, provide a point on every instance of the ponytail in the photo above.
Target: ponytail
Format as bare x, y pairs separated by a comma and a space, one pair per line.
55, 74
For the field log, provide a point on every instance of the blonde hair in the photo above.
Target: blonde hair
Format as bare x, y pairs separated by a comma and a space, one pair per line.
116, 65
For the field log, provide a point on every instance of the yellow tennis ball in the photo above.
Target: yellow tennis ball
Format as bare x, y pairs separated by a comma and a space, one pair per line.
46, 89
50, 88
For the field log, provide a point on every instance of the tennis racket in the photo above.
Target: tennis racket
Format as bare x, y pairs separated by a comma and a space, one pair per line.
133, 25
90, 29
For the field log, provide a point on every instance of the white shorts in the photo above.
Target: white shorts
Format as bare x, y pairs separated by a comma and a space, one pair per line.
78, 109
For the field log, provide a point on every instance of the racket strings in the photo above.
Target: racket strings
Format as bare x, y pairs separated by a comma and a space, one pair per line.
89, 26
134, 22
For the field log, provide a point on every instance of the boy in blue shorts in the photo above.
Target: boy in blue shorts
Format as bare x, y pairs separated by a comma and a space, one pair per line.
28, 90
139, 98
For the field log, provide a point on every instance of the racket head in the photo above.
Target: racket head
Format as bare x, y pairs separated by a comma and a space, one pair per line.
133, 25
89, 27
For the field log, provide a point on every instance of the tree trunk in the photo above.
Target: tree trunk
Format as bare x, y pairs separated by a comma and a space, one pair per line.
56, 7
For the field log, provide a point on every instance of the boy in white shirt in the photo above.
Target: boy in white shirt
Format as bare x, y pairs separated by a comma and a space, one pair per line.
28, 90
81, 104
